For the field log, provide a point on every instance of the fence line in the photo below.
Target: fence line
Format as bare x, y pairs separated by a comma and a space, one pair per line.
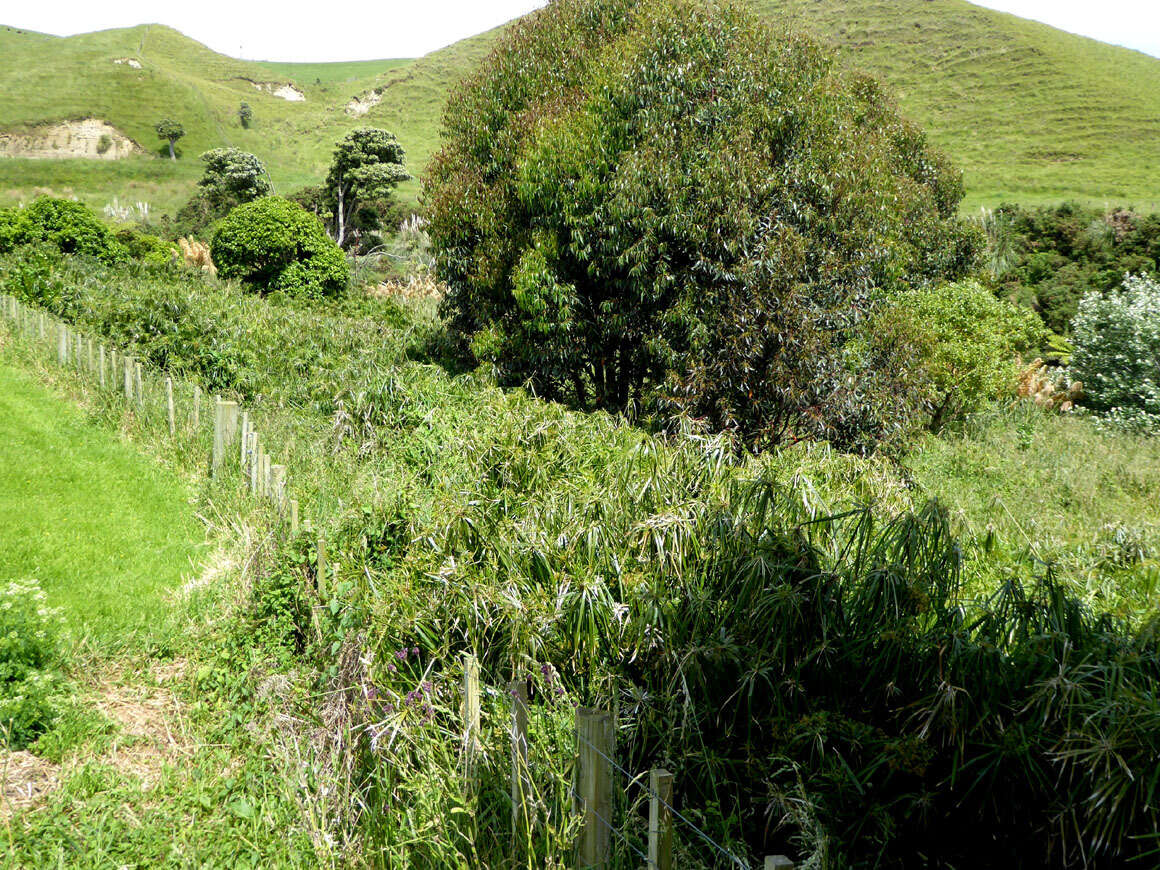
593, 788
119, 372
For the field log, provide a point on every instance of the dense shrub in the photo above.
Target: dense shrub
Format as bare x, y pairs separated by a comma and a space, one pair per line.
1117, 352
273, 244
30, 658
68, 225
663, 202
1049, 258
968, 343
825, 684
147, 248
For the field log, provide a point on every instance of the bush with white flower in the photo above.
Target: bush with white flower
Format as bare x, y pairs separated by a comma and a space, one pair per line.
1117, 353
31, 688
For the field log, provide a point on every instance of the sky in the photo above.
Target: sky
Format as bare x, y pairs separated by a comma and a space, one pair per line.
364, 30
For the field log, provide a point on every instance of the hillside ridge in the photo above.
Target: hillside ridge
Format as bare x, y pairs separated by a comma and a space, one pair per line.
1030, 113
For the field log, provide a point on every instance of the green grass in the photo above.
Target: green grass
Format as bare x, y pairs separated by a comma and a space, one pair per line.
1031, 114
108, 532
333, 73
1026, 486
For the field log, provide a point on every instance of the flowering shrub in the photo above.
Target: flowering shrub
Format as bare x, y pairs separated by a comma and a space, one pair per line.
30, 654
1117, 353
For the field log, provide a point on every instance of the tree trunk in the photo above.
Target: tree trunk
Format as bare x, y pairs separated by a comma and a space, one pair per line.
172, 156
341, 218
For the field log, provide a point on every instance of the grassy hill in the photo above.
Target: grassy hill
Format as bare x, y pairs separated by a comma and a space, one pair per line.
1031, 114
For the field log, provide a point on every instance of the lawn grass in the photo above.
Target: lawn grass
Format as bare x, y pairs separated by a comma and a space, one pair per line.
108, 532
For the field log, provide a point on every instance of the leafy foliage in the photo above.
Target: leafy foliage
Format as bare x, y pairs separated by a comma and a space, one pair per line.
147, 248
820, 675
170, 131
232, 177
67, 225
367, 165
273, 244
663, 203
31, 689
1050, 258
245, 115
969, 342
1117, 352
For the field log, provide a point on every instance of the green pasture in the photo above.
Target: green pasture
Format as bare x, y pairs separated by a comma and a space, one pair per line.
107, 530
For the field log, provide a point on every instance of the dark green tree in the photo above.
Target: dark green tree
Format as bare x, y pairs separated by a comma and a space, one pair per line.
367, 165
170, 131
245, 115
665, 203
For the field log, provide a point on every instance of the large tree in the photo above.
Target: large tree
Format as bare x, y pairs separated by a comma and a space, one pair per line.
367, 165
663, 202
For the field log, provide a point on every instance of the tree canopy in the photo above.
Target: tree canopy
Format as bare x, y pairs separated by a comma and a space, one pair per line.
367, 165
665, 203
170, 131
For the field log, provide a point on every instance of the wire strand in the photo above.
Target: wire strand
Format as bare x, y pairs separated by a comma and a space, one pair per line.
608, 825
744, 865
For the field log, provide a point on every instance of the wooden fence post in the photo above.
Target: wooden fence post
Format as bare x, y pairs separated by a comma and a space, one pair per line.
225, 427
320, 567
265, 482
255, 461
140, 387
128, 384
170, 411
102, 376
62, 345
521, 783
293, 517
244, 440
79, 359
778, 862
594, 773
278, 486
89, 355
471, 720
660, 820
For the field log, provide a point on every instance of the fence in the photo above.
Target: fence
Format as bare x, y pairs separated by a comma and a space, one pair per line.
599, 797
237, 448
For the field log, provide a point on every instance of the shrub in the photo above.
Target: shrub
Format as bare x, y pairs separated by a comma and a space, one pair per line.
274, 244
68, 225
147, 248
663, 202
1049, 258
30, 656
968, 342
1117, 352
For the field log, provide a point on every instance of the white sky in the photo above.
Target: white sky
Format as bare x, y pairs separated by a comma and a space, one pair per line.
360, 30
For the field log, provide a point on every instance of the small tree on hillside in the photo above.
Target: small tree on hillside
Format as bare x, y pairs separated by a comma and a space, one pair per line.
368, 163
233, 176
170, 131
245, 115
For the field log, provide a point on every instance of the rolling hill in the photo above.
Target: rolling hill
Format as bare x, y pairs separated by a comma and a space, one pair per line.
1031, 114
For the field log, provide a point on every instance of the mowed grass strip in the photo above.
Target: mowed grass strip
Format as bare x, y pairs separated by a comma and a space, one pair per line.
107, 531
